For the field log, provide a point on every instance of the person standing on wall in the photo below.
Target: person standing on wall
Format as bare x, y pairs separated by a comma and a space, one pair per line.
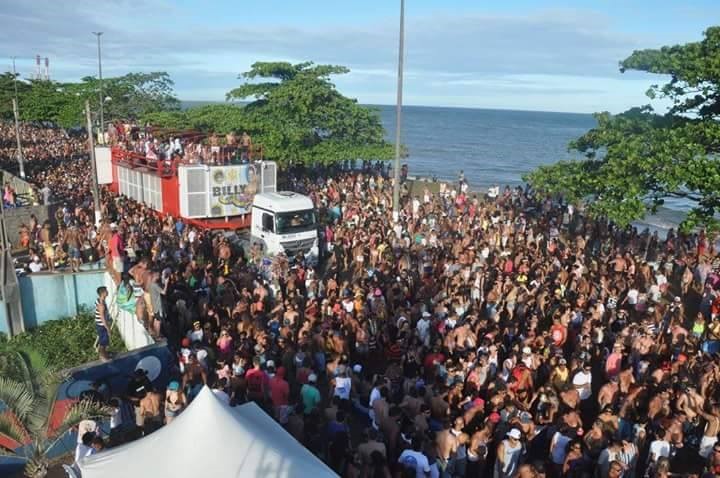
116, 249
102, 324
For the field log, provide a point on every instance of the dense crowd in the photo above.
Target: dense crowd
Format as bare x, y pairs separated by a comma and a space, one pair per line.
155, 144
481, 335
505, 336
39, 142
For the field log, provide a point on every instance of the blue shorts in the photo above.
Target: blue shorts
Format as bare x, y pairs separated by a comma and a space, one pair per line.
103, 336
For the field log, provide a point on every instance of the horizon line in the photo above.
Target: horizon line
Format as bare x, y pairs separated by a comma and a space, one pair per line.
423, 106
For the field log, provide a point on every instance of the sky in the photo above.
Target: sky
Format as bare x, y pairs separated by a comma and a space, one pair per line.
509, 54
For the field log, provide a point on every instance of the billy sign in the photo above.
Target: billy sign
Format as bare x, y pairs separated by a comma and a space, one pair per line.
232, 189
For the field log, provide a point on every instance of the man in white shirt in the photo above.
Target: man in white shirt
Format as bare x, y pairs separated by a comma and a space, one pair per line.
583, 382
423, 327
415, 459
659, 447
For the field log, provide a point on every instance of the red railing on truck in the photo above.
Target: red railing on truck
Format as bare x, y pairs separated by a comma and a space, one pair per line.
168, 167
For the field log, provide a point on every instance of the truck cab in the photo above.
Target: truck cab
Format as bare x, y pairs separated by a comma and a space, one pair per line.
285, 222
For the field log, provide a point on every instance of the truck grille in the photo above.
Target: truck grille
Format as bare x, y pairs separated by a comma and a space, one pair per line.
299, 245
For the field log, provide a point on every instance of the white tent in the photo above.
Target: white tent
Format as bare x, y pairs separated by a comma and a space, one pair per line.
211, 439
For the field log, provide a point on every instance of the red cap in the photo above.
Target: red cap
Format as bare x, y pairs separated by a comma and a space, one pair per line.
186, 342
478, 402
494, 418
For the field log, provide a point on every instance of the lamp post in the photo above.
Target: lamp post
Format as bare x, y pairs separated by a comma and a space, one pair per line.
16, 114
102, 116
398, 116
91, 147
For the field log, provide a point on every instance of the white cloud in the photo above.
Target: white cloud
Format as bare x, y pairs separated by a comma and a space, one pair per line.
563, 60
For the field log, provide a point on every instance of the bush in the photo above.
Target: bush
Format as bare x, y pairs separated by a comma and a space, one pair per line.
64, 343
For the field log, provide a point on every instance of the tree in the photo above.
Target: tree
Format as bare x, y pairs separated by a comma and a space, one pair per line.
28, 387
8, 82
299, 116
638, 159
126, 97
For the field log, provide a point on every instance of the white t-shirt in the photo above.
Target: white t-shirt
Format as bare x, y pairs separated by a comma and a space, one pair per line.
423, 326
659, 448
632, 296
581, 378
342, 387
415, 459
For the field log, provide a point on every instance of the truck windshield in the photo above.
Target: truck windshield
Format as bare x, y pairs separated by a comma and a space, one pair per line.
296, 221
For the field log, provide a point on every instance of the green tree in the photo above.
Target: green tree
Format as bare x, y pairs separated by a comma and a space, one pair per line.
638, 159
7, 93
126, 97
299, 116
28, 387
43, 101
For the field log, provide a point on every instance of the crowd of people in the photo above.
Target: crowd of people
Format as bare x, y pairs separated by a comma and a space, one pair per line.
158, 145
479, 335
39, 142
504, 337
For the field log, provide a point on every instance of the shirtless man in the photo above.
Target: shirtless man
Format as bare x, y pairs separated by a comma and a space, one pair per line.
608, 394
446, 444
148, 413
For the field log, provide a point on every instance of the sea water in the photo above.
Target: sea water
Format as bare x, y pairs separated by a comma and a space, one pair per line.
496, 146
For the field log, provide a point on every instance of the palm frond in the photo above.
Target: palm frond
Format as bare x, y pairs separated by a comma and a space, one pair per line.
84, 410
10, 429
17, 398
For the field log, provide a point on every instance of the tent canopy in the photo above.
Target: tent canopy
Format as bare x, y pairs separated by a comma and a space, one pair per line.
211, 439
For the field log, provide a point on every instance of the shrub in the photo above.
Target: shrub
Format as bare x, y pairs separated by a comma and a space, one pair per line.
64, 343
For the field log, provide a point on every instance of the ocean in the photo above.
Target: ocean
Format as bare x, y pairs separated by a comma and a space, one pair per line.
493, 146
496, 147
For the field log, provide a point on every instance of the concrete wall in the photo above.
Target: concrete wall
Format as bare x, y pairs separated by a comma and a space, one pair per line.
16, 217
50, 296
20, 186
133, 333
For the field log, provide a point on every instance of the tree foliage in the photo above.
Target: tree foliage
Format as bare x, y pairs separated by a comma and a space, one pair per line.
7, 93
295, 112
28, 387
125, 97
638, 159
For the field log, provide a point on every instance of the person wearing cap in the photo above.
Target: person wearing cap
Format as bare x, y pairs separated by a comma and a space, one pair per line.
310, 395
117, 248
175, 401
509, 452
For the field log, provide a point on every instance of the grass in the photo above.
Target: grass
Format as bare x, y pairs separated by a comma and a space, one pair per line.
64, 343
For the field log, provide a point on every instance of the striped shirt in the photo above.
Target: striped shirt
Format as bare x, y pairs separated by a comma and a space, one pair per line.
98, 319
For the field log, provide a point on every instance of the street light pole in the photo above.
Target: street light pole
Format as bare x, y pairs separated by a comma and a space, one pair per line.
16, 114
102, 99
91, 146
398, 114
17, 137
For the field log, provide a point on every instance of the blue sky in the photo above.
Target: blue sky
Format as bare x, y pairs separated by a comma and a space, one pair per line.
513, 54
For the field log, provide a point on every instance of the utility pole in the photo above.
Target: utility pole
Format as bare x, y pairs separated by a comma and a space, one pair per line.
17, 137
91, 145
17, 124
398, 114
102, 98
